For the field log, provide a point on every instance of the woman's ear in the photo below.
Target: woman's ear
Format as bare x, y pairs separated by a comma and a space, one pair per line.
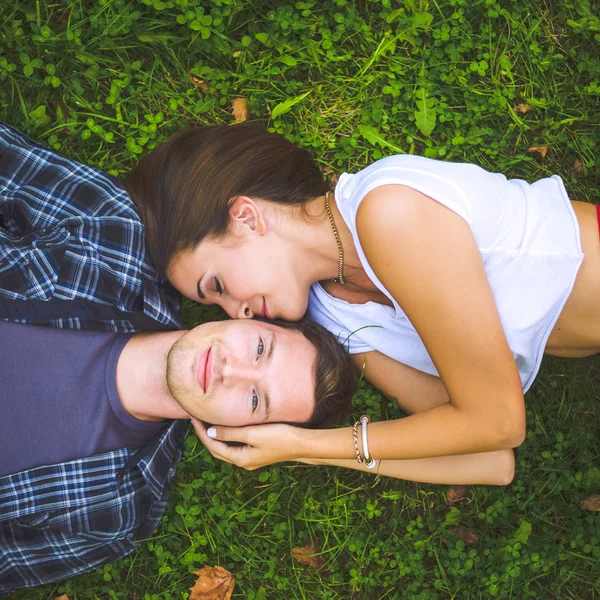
246, 217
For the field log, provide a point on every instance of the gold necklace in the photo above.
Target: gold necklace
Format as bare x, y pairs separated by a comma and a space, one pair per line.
340, 278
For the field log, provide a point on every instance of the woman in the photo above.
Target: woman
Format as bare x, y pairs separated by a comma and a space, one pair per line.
425, 268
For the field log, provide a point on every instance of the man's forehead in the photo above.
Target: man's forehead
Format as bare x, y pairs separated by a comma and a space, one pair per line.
293, 375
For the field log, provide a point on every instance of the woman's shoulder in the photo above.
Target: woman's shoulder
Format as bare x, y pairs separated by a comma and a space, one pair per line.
407, 166
449, 183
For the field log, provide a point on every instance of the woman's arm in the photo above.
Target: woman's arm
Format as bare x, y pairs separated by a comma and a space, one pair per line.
427, 258
485, 468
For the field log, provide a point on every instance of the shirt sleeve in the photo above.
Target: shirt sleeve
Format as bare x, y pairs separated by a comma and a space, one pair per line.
34, 554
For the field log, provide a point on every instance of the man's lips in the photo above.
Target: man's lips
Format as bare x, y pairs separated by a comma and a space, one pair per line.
205, 369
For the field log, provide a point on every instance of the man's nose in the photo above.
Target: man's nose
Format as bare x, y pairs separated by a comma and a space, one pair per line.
237, 371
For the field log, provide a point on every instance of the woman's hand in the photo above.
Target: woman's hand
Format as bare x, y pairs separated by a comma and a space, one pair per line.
263, 444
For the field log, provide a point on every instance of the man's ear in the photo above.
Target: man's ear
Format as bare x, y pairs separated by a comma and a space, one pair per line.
246, 216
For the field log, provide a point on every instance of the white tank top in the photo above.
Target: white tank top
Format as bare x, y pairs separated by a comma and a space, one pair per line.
528, 237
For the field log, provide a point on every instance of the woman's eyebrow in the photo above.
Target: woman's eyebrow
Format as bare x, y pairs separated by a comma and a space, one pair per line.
200, 292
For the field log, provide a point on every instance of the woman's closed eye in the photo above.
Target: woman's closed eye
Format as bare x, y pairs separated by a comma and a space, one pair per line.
218, 287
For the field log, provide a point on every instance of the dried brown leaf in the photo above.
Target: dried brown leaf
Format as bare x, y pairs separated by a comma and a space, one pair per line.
523, 107
456, 493
468, 536
240, 110
199, 83
539, 150
309, 555
578, 166
213, 583
591, 503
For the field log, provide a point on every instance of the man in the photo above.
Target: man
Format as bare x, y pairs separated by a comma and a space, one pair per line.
87, 446
73, 255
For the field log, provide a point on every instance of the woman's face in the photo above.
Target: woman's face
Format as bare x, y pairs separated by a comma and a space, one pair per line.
248, 273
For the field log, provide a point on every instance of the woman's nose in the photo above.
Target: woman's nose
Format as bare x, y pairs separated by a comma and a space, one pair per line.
236, 309
244, 311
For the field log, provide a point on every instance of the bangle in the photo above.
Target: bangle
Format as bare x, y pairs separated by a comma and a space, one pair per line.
370, 463
356, 450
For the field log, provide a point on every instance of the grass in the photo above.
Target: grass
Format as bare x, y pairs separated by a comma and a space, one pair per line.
104, 81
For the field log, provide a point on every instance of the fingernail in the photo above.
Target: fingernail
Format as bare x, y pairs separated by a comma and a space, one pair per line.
212, 433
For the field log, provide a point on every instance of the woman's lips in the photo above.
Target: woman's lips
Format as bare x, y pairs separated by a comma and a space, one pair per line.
264, 309
205, 369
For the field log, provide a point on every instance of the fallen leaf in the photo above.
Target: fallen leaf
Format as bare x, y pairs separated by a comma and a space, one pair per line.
578, 166
540, 150
523, 107
456, 493
198, 83
591, 503
468, 536
309, 555
240, 111
213, 583
61, 597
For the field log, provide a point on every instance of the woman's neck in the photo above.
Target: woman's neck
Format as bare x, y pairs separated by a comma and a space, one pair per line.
311, 232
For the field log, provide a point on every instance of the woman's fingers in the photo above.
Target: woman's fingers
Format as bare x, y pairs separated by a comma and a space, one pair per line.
261, 445
228, 434
199, 427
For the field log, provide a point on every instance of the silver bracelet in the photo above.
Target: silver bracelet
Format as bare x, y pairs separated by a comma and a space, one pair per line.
370, 463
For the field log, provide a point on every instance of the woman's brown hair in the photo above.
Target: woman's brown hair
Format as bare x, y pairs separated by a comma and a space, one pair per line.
184, 187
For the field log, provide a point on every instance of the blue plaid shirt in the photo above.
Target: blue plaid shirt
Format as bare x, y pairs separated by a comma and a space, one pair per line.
70, 232
67, 232
60, 520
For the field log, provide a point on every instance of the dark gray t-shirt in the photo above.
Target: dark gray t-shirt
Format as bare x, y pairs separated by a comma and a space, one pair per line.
58, 397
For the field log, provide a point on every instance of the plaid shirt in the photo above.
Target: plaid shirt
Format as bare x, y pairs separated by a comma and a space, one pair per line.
60, 520
67, 232
70, 232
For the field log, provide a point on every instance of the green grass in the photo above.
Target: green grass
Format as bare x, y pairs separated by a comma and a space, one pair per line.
104, 81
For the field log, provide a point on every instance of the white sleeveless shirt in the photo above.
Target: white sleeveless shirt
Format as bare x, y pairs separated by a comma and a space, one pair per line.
528, 236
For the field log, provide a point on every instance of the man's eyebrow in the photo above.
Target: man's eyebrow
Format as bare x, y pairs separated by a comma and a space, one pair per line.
272, 346
200, 292
267, 394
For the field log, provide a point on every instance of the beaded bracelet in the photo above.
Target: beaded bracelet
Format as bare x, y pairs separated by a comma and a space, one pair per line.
356, 449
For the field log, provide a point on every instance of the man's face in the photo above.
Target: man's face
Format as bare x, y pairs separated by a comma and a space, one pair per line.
243, 372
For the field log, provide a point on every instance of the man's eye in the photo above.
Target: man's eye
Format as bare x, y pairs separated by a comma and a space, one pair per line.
254, 401
261, 347
218, 287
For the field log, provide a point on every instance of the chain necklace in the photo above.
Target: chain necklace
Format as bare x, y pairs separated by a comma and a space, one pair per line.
340, 278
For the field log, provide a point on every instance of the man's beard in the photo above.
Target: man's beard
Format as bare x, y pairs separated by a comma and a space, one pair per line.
175, 371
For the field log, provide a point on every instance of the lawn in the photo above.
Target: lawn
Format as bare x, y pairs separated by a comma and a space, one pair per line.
511, 86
